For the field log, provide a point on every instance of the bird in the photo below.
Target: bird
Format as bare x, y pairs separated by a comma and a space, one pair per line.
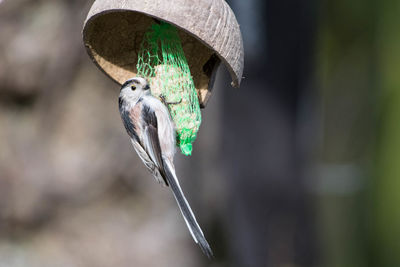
151, 130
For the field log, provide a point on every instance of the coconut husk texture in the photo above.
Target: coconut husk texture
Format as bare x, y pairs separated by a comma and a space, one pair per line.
208, 29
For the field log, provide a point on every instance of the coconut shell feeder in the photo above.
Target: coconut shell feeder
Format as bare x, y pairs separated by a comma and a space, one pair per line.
208, 33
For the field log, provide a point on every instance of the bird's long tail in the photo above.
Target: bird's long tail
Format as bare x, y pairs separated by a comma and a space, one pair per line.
187, 212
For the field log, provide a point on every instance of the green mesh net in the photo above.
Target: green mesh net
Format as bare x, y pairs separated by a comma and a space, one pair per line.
162, 61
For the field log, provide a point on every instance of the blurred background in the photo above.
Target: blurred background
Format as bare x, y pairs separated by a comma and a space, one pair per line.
298, 167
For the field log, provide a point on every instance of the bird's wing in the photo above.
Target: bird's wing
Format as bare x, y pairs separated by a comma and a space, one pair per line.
150, 142
147, 161
138, 133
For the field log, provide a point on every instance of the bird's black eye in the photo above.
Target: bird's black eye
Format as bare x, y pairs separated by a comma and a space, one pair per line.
147, 87
133, 87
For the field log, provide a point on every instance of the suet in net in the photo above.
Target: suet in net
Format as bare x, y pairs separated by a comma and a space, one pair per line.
162, 61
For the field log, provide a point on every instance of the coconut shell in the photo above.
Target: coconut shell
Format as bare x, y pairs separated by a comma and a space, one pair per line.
208, 29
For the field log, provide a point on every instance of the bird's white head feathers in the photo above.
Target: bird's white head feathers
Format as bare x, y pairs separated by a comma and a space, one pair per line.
134, 88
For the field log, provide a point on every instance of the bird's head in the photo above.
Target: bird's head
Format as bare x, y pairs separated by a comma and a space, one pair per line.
134, 87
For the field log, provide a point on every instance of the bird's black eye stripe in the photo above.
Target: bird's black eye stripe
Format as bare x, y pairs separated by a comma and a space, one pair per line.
126, 84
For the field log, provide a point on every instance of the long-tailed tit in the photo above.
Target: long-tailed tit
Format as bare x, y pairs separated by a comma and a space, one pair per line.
149, 125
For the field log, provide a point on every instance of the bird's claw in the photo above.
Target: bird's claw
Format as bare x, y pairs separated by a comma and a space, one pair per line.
164, 101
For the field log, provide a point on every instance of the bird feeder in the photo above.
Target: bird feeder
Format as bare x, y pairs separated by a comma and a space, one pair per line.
209, 34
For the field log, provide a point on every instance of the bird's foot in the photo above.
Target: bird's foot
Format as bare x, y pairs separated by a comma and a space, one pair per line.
165, 102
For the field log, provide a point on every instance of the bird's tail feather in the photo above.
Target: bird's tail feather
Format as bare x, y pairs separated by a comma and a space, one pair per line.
187, 212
